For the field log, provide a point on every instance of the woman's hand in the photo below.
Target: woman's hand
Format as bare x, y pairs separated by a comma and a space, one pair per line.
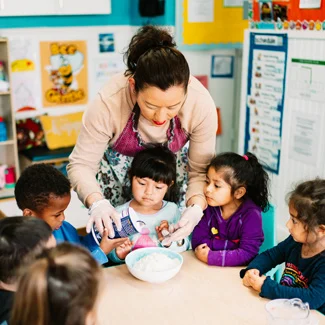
102, 213
107, 244
202, 252
184, 227
123, 250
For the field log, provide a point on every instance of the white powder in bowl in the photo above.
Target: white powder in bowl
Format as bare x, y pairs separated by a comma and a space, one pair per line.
156, 262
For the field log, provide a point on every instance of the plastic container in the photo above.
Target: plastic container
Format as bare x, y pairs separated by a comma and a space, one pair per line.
2, 71
3, 130
10, 177
289, 312
3, 176
130, 226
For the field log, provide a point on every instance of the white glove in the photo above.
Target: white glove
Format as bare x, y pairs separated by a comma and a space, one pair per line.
102, 213
184, 227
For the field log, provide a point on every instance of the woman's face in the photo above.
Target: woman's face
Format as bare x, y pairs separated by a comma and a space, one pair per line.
158, 106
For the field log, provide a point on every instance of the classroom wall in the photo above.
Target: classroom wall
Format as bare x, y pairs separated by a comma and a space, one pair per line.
123, 22
222, 91
311, 111
124, 12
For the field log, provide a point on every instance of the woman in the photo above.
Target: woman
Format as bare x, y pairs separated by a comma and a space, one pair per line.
154, 101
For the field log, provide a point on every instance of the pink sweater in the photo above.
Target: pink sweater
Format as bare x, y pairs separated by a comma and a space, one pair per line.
106, 117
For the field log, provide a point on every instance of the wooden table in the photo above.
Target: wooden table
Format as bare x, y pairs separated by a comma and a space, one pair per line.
199, 294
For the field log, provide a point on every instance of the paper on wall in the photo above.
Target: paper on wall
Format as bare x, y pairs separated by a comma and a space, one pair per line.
200, 11
304, 138
307, 79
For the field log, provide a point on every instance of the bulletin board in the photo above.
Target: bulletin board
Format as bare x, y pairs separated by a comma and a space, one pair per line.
301, 113
265, 97
287, 14
58, 71
226, 31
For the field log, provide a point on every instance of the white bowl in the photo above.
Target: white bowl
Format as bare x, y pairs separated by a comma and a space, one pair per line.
152, 276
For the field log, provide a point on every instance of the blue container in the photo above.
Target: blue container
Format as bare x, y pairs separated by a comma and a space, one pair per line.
3, 130
130, 226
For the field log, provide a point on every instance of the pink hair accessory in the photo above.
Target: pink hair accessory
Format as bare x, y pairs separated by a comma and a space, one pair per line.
245, 157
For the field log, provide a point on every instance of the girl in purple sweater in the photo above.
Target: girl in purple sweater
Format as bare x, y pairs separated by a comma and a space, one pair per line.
230, 232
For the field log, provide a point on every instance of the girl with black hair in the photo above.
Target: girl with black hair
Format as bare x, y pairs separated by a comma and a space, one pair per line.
230, 232
154, 189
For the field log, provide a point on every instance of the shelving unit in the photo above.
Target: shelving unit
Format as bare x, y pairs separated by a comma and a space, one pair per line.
8, 148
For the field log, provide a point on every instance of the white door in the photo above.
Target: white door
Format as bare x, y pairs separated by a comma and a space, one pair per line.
27, 7
85, 7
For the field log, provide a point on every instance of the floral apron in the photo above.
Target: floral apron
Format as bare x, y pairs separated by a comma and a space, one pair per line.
113, 171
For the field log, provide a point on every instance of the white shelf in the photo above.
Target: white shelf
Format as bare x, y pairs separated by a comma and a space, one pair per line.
8, 148
6, 143
6, 193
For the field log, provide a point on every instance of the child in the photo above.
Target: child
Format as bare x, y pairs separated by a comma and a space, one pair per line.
62, 287
153, 182
230, 232
20, 238
303, 252
44, 192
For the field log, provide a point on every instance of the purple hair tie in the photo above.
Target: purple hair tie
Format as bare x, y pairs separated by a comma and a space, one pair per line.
245, 157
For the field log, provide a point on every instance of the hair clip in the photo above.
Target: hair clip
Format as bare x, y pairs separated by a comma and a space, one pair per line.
245, 157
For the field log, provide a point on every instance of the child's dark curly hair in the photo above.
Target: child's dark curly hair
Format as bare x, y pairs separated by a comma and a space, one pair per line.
37, 184
308, 198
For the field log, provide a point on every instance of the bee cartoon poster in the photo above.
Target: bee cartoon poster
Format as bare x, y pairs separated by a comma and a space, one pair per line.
64, 73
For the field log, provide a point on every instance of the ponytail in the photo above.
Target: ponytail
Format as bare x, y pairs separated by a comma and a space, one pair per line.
244, 171
31, 300
257, 185
153, 60
61, 287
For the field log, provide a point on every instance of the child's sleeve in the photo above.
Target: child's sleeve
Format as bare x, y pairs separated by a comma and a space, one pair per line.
202, 235
112, 256
269, 259
251, 239
97, 253
314, 294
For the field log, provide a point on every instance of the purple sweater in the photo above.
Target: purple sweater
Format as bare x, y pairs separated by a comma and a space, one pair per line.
233, 242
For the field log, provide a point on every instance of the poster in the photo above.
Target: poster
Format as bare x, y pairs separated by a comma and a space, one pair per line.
106, 43
265, 97
309, 4
200, 11
307, 79
24, 78
304, 138
105, 68
64, 73
222, 66
233, 3
288, 14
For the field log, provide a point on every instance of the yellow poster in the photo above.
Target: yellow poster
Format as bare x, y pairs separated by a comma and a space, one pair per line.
64, 73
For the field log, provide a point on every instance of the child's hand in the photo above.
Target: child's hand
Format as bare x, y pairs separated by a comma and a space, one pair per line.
255, 280
107, 244
246, 279
162, 230
123, 250
202, 252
